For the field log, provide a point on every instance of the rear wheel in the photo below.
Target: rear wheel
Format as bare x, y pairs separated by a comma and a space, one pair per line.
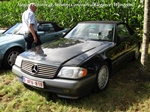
102, 77
10, 57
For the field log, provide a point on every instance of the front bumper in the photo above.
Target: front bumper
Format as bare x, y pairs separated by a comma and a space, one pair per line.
65, 88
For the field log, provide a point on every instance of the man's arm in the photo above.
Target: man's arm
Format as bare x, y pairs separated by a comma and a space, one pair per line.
33, 32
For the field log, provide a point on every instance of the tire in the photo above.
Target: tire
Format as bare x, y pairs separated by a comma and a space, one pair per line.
10, 57
137, 53
102, 77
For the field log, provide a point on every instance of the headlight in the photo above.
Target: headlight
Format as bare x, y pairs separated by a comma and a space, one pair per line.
18, 61
72, 72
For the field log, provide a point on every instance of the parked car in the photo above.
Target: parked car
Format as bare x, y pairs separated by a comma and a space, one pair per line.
81, 61
12, 40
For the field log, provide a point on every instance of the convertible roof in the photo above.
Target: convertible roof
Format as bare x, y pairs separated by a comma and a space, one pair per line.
107, 22
46, 22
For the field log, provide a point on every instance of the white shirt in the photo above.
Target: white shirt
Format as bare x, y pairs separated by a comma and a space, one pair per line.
28, 18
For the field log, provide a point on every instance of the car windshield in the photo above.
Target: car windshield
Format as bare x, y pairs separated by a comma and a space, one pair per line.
92, 31
14, 30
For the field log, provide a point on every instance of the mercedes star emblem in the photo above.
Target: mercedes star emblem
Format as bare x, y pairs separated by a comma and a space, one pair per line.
34, 69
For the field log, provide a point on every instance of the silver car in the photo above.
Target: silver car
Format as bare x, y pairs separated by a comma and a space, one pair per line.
12, 42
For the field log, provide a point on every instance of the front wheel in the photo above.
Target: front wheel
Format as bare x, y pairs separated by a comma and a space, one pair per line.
10, 57
102, 77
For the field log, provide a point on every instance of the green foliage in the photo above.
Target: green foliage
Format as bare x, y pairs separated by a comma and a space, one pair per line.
68, 13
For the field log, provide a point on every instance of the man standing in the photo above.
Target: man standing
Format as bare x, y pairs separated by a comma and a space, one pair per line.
30, 26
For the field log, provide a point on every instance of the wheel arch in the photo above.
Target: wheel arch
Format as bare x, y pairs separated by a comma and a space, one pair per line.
15, 47
96, 61
106, 62
102, 59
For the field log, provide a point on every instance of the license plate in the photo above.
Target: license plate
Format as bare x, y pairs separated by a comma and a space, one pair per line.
33, 82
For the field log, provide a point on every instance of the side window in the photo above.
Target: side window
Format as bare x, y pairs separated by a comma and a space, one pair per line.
46, 27
123, 31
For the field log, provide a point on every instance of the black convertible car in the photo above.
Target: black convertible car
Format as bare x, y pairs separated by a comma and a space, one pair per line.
81, 61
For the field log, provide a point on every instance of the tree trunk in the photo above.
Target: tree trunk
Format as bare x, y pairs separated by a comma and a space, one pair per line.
146, 35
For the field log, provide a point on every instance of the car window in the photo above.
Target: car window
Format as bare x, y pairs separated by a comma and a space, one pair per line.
14, 29
17, 29
93, 31
46, 27
122, 31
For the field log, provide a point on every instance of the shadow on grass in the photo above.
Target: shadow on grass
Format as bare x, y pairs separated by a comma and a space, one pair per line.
4, 71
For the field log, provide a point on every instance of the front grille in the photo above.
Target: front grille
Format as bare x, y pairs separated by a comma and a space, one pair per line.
47, 71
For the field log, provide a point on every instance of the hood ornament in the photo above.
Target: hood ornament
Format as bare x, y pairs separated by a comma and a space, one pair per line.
34, 69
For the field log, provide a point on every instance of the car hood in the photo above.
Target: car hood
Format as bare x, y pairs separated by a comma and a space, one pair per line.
65, 51
4, 38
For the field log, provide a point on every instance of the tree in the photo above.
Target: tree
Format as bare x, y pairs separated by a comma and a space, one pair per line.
146, 35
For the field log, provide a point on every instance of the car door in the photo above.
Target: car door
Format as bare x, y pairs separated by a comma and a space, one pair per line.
120, 53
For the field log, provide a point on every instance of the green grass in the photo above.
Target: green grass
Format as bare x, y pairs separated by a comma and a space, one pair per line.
127, 91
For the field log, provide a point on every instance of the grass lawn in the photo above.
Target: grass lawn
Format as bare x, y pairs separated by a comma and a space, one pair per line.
127, 91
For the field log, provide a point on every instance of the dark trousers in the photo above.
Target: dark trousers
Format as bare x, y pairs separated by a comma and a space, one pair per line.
29, 40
